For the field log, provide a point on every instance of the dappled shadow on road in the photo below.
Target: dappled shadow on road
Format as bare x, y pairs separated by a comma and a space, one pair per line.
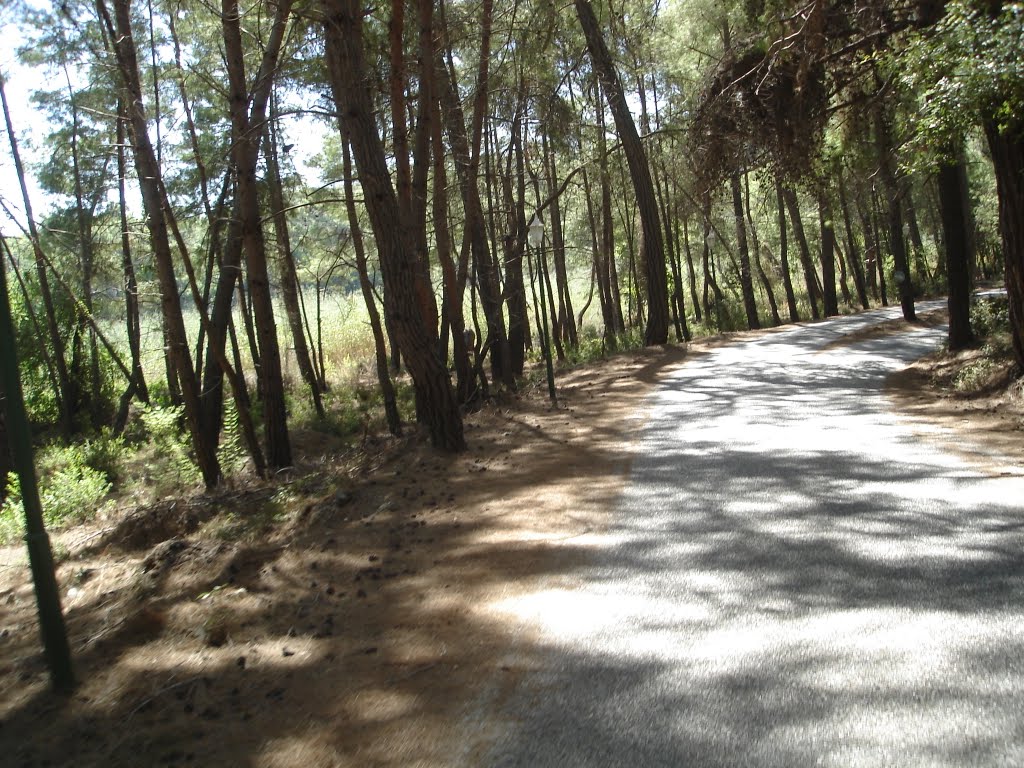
787, 585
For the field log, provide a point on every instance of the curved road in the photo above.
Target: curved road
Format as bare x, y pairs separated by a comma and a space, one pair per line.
795, 576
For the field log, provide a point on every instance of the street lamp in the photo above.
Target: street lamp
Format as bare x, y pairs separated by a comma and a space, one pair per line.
535, 237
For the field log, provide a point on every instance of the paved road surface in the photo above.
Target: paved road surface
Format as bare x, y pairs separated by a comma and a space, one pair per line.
795, 577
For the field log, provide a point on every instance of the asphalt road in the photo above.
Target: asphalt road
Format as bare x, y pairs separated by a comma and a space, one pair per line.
795, 576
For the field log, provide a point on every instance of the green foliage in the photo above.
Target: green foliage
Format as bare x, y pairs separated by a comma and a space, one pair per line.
231, 453
990, 316
967, 68
72, 488
990, 319
169, 467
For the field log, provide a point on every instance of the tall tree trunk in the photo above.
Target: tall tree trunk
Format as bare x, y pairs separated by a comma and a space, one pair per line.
828, 255
387, 387
852, 252
709, 276
66, 395
894, 212
515, 248
656, 331
247, 133
1007, 147
416, 335
148, 172
690, 269
954, 234
787, 279
133, 321
566, 326
755, 254
86, 260
467, 158
288, 275
746, 281
810, 278
608, 233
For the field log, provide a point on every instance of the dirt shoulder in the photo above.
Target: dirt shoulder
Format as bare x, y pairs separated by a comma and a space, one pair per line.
344, 618
338, 620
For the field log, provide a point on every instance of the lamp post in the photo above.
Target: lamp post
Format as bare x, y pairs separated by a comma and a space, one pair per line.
535, 236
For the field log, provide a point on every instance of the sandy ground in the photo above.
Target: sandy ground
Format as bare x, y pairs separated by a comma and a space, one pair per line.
346, 618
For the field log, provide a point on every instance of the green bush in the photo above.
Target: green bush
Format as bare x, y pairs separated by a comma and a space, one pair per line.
990, 316
72, 494
170, 467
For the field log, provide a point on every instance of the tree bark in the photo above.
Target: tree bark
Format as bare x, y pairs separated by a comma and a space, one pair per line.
810, 278
343, 23
246, 134
958, 270
787, 278
1007, 147
656, 331
148, 172
830, 302
287, 274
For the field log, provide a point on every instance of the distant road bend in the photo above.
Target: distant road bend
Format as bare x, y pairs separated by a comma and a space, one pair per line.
795, 576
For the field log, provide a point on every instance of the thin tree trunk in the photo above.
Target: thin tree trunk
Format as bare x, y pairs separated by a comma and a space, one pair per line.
692, 273
852, 252
288, 275
828, 255
67, 397
746, 281
467, 157
387, 387
894, 212
133, 320
755, 253
566, 327
787, 278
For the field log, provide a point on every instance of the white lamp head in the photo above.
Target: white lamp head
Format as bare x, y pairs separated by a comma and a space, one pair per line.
536, 231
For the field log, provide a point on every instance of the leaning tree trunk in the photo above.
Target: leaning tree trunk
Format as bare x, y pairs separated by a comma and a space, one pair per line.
66, 394
148, 172
810, 278
656, 331
415, 335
